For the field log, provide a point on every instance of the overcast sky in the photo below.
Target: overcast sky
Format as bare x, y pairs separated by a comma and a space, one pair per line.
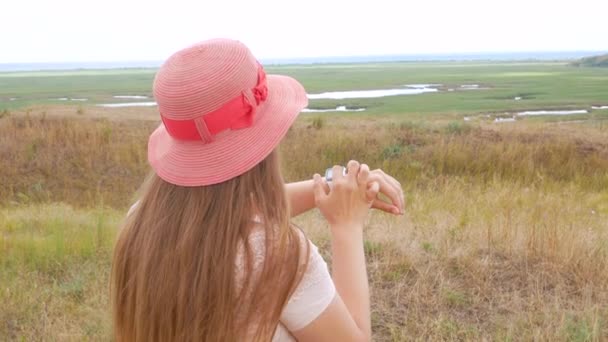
127, 30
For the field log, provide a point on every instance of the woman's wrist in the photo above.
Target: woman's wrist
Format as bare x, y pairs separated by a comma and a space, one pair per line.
346, 231
300, 196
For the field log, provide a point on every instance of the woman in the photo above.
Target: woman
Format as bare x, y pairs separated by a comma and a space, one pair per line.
208, 253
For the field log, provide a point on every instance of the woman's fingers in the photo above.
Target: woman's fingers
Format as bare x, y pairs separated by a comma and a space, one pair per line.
398, 189
363, 176
385, 206
370, 181
353, 169
372, 192
396, 185
319, 189
391, 188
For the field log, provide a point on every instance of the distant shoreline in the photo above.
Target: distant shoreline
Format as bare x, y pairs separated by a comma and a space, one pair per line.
456, 57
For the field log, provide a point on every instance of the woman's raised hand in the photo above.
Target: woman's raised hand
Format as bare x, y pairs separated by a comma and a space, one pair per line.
351, 196
389, 187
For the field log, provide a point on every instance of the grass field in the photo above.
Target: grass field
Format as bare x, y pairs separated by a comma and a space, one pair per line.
505, 237
541, 85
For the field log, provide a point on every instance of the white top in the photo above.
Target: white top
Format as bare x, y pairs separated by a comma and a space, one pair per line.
311, 297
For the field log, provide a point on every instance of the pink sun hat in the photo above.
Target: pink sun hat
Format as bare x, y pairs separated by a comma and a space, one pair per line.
221, 113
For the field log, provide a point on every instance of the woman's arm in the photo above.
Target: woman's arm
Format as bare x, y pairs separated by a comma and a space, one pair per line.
349, 273
300, 195
347, 318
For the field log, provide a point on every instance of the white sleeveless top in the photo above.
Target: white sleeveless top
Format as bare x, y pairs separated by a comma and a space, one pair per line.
311, 297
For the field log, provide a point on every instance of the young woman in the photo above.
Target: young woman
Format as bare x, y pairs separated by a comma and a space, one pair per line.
209, 253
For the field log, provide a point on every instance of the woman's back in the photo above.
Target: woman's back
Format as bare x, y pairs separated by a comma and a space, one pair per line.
182, 270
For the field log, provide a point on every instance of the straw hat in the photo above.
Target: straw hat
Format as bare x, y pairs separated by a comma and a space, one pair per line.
221, 113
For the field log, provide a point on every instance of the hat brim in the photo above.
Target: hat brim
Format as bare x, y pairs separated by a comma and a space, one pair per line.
232, 152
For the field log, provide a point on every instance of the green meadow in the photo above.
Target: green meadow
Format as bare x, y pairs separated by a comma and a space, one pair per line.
540, 85
505, 236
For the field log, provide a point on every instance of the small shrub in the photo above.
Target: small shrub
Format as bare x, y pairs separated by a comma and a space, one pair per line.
22, 198
318, 122
397, 271
578, 330
4, 113
371, 248
392, 152
410, 126
80, 110
455, 298
458, 128
106, 134
33, 147
73, 288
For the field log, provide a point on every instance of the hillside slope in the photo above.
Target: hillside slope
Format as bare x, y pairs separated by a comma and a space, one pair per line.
594, 61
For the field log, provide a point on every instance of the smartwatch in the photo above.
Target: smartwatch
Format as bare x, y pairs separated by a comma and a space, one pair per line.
329, 174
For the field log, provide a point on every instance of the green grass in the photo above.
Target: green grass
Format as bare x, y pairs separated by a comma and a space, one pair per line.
98, 86
541, 84
54, 267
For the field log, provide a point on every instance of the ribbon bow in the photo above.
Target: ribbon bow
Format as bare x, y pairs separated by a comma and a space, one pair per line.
260, 93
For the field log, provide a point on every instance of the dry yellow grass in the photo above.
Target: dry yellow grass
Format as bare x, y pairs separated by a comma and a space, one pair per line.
505, 236
497, 262
47, 157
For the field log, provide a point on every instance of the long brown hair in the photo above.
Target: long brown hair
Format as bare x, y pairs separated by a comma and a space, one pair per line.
173, 272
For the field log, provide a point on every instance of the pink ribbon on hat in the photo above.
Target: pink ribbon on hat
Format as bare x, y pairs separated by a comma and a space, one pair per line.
237, 113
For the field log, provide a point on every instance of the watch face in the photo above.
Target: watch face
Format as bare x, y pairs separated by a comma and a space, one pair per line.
329, 174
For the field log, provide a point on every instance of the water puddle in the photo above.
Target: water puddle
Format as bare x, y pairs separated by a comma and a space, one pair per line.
127, 104
70, 99
369, 94
500, 120
513, 116
552, 112
517, 98
469, 86
565, 122
599, 107
423, 85
337, 109
131, 97
408, 89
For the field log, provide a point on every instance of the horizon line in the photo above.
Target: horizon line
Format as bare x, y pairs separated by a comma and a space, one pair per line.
513, 56
414, 54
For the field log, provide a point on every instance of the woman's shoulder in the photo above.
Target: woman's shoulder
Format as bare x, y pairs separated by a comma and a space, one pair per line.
315, 290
